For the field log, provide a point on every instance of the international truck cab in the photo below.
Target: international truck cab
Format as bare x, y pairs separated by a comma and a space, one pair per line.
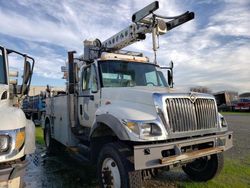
120, 112
114, 74
16, 132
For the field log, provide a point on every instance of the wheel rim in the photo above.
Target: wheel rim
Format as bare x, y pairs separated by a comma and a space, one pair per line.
47, 138
110, 173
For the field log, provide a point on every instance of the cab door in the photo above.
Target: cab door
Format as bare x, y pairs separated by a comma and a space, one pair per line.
89, 95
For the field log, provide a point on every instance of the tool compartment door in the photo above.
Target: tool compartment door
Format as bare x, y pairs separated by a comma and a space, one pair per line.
61, 130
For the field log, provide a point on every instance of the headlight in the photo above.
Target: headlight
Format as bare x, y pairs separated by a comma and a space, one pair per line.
4, 143
20, 138
222, 121
143, 129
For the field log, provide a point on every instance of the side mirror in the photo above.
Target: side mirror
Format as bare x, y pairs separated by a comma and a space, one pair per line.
26, 72
170, 74
23, 89
76, 73
170, 78
26, 77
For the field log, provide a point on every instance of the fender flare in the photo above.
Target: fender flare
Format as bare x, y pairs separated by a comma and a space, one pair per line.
113, 123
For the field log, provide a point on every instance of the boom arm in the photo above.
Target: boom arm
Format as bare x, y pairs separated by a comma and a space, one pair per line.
143, 24
127, 36
137, 31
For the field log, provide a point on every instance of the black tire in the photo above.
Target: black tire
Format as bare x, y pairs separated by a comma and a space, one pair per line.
128, 177
205, 168
48, 140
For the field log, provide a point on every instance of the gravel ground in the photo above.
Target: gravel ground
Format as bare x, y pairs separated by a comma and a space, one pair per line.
62, 171
240, 125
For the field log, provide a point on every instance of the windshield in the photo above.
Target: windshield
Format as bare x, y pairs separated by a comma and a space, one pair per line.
2, 69
129, 74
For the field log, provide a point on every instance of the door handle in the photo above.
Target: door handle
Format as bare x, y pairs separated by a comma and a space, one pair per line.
91, 97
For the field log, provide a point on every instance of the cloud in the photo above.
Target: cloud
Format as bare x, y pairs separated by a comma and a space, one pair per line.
41, 24
232, 20
212, 50
36, 30
217, 55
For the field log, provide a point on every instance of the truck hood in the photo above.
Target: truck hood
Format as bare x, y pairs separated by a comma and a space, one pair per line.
11, 118
137, 94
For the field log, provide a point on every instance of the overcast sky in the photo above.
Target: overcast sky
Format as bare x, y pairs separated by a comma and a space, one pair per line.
213, 50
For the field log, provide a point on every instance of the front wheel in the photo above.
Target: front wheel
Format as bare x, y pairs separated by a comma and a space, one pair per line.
113, 170
204, 168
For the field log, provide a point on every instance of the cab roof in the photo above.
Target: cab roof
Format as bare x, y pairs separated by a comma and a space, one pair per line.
131, 58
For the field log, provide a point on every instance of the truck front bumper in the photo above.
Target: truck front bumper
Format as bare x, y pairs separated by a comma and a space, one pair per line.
154, 155
13, 171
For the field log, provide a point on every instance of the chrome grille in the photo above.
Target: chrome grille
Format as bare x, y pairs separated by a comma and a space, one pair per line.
184, 115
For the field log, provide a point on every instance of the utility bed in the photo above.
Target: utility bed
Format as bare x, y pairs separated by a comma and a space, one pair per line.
57, 109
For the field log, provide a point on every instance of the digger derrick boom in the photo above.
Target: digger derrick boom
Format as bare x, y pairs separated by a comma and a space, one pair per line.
137, 31
145, 22
128, 36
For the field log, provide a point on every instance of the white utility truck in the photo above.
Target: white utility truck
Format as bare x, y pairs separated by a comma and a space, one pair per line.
17, 134
120, 112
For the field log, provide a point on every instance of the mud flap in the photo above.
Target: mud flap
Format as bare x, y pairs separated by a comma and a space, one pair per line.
30, 145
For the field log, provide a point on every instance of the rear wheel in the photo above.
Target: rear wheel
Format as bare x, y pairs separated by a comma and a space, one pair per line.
49, 141
113, 169
205, 168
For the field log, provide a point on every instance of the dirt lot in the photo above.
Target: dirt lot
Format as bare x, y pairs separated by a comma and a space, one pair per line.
240, 125
62, 171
